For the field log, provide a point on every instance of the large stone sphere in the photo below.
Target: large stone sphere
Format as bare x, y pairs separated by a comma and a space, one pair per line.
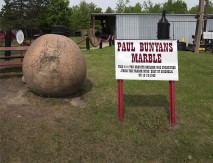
54, 66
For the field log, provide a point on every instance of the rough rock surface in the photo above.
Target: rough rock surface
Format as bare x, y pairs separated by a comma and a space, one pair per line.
54, 66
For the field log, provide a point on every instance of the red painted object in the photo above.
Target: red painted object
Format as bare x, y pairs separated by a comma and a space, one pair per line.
171, 97
14, 48
14, 56
21, 55
10, 64
172, 103
120, 101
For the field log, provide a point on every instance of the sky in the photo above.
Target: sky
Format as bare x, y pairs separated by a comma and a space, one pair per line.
112, 3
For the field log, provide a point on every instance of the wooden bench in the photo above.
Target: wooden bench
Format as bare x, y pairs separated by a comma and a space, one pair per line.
13, 56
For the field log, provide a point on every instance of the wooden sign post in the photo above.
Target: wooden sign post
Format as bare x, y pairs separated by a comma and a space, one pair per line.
146, 60
120, 101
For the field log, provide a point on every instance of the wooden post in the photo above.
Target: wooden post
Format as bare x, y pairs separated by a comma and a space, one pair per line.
8, 44
172, 103
21, 54
87, 43
93, 28
199, 26
110, 40
120, 101
101, 43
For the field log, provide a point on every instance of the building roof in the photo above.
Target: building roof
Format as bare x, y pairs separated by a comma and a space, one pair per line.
102, 16
114, 14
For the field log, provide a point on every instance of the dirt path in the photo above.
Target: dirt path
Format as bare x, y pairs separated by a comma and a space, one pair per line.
17, 100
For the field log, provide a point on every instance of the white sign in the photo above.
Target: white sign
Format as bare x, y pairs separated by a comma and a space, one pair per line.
20, 36
208, 35
146, 59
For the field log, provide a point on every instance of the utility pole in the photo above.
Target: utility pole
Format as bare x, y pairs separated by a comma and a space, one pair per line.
199, 26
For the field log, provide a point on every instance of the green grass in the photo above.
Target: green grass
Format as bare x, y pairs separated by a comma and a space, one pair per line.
77, 39
93, 134
146, 109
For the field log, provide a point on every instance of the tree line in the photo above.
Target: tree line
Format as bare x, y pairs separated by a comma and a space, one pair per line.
19, 14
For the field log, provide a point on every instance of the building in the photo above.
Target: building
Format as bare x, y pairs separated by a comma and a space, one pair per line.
144, 26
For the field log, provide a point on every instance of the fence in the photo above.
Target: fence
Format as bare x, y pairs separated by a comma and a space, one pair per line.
20, 56
99, 43
13, 56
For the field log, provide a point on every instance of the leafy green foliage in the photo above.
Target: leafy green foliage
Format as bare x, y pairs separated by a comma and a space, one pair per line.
109, 10
133, 9
80, 15
194, 10
150, 7
137, 8
23, 13
121, 6
210, 8
175, 7
58, 13
16, 14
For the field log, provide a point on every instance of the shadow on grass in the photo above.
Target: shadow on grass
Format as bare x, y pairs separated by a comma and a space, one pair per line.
146, 101
11, 69
84, 89
9, 72
154, 109
87, 87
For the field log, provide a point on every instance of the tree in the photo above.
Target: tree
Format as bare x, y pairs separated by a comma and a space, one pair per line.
84, 15
149, 7
12, 14
175, 7
58, 13
137, 8
194, 10
210, 8
109, 10
121, 6
80, 15
133, 9
36, 13
17, 14
93, 8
